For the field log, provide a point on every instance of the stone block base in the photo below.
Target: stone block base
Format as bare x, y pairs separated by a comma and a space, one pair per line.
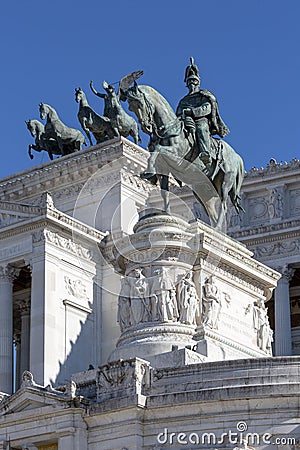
216, 347
177, 358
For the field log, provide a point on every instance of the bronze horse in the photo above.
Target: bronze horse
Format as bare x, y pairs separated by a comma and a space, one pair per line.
92, 122
68, 139
42, 141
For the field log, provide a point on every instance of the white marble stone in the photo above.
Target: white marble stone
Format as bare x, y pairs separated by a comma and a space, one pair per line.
132, 405
72, 299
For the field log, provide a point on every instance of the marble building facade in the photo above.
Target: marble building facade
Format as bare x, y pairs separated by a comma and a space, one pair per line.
62, 227
270, 228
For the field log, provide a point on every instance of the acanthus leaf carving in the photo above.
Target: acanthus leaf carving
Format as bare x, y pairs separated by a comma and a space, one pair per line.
8, 272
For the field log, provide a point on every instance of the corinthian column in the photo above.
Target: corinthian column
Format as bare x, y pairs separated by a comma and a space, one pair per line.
283, 334
25, 335
7, 275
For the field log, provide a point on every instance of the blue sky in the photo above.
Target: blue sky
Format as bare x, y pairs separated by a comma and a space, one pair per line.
247, 52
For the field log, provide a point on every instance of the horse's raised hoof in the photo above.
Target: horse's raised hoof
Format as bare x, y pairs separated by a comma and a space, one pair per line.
30, 156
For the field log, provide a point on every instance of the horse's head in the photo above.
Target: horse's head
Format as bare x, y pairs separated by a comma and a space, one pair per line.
142, 107
43, 110
31, 127
34, 126
78, 94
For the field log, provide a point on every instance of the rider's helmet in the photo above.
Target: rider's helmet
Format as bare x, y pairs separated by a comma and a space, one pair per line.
191, 72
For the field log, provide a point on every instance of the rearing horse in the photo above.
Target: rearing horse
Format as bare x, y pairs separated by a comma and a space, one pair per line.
69, 140
90, 121
42, 141
169, 153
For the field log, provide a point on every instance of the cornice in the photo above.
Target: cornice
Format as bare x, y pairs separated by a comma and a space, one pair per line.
50, 216
211, 367
273, 169
187, 244
237, 277
19, 208
265, 233
218, 240
231, 253
74, 225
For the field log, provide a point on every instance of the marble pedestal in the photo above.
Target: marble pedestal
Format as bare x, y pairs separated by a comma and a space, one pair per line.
186, 285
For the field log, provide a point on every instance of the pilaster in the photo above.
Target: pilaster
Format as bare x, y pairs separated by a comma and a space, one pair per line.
7, 275
283, 336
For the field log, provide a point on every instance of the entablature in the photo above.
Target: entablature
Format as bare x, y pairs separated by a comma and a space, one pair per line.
46, 223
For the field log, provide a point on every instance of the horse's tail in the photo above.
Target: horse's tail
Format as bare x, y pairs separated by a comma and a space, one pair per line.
235, 191
240, 175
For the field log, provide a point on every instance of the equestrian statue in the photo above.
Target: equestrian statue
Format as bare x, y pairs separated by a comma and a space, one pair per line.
184, 144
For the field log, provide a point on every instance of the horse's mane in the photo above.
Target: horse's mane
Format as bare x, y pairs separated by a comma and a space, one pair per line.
52, 109
150, 92
37, 123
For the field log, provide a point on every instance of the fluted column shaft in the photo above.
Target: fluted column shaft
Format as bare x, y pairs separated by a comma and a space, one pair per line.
25, 336
283, 332
7, 275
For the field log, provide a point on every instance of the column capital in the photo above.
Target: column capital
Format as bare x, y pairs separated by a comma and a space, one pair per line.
8, 273
24, 306
286, 272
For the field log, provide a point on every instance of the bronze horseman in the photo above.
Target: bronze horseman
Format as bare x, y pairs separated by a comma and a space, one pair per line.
184, 146
200, 114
